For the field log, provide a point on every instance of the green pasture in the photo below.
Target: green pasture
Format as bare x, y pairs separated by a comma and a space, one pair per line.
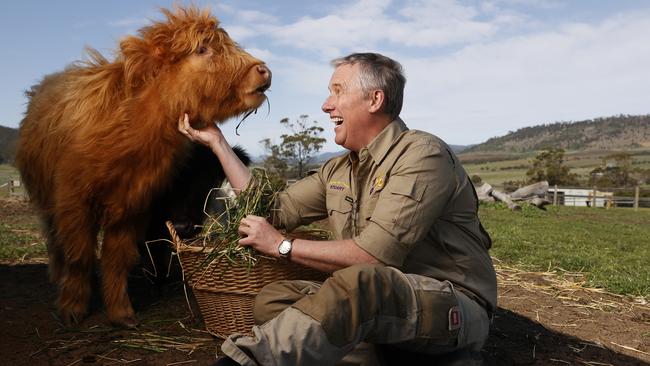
8, 172
610, 246
19, 242
498, 168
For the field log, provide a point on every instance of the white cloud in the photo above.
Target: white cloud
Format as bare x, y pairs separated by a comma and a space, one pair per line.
369, 23
541, 4
576, 72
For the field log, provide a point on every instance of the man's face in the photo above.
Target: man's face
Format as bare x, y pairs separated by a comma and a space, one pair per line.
348, 108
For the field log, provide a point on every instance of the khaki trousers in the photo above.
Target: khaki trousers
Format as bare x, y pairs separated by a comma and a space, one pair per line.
307, 323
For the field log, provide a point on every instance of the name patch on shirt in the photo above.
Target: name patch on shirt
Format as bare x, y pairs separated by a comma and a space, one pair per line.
338, 186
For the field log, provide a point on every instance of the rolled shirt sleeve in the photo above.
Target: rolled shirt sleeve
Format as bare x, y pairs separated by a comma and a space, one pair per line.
415, 195
301, 203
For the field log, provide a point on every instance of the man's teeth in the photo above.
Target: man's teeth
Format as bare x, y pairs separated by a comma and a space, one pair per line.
337, 120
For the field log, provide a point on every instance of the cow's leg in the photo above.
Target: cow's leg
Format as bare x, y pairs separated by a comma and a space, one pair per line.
72, 252
56, 256
119, 255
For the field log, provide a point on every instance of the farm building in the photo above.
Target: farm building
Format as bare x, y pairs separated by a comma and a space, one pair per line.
581, 197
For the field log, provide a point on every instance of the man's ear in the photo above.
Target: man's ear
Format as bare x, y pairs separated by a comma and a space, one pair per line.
376, 101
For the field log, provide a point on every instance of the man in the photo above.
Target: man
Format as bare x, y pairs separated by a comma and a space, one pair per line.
410, 264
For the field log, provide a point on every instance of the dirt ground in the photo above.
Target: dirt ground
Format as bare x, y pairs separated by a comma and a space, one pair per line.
543, 319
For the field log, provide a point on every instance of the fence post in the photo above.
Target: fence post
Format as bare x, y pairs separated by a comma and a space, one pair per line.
636, 198
593, 198
555, 196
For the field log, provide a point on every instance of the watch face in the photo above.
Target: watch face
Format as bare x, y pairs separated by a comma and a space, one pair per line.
285, 247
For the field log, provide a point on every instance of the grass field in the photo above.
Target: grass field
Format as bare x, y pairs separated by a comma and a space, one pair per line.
20, 243
504, 167
612, 247
20, 237
7, 173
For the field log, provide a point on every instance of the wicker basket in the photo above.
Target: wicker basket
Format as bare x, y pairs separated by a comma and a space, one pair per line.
226, 294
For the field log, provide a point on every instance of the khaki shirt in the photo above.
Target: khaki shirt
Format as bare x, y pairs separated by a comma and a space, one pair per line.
407, 201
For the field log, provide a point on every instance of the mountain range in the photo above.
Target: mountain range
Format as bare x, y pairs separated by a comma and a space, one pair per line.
623, 132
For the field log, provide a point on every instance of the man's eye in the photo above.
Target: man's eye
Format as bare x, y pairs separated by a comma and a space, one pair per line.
201, 50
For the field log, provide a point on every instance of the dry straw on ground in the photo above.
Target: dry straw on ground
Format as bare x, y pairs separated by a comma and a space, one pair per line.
569, 287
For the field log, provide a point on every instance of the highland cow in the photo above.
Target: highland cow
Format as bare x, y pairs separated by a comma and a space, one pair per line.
99, 141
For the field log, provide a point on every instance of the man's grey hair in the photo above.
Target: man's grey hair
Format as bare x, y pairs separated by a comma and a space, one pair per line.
378, 72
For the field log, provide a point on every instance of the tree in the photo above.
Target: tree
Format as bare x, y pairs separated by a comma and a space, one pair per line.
274, 163
297, 148
616, 171
305, 141
549, 166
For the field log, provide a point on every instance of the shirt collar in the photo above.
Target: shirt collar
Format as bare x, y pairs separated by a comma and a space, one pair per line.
379, 146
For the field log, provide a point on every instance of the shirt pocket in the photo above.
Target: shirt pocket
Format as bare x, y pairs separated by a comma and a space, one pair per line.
398, 206
339, 211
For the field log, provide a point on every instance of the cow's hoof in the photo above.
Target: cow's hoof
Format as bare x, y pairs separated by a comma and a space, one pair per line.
71, 318
128, 322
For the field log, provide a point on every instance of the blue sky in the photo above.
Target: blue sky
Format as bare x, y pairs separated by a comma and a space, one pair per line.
475, 69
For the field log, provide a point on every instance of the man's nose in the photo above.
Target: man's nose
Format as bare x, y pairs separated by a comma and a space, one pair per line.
327, 105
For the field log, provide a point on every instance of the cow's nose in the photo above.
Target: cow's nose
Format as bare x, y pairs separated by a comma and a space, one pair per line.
264, 71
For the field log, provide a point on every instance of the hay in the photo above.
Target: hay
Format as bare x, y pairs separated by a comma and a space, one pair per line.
221, 233
571, 288
159, 343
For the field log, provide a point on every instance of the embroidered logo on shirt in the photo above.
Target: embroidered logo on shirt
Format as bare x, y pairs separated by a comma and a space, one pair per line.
377, 184
337, 186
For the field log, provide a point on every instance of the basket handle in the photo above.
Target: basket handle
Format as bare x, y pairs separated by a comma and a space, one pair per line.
172, 232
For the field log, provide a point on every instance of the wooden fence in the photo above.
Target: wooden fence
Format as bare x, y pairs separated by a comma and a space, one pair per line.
13, 188
599, 196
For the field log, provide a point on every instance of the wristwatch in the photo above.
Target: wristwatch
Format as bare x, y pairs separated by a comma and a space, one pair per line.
285, 248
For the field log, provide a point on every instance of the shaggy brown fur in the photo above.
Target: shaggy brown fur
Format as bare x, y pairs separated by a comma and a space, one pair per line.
100, 139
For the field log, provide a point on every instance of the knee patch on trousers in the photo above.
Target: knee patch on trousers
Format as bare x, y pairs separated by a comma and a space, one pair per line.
362, 301
277, 296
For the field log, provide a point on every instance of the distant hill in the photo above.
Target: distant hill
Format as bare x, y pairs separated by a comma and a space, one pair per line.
8, 138
323, 157
460, 148
609, 133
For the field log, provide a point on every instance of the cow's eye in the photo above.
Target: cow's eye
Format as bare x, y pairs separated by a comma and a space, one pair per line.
202, 50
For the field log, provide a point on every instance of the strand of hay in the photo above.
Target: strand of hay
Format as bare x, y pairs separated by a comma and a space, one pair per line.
630, 348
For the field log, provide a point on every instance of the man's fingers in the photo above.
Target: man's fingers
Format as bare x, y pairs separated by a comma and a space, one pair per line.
245, 241
184, 126
254, 218
249, 220
186, 122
